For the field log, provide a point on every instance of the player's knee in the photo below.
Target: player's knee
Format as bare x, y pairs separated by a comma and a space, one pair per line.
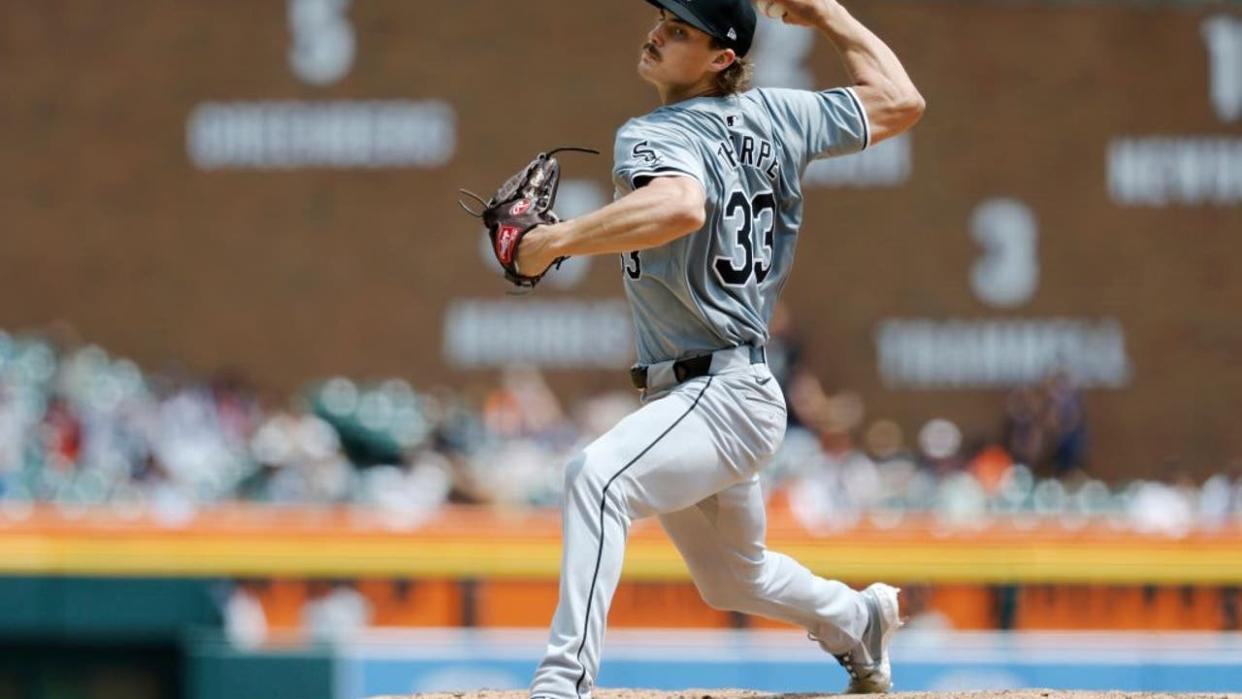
737, 590
720, 597
748, 576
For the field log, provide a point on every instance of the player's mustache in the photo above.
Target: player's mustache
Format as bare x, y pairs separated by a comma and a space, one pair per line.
650, 47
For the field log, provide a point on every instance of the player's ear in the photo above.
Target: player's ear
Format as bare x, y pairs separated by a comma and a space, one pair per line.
723, 60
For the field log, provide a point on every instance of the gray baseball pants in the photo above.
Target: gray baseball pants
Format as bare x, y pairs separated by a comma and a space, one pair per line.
690, 456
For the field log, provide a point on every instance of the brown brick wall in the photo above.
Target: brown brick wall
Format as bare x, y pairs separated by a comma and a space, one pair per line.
297, 275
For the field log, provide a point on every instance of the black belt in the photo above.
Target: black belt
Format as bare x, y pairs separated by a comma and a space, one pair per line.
690, 368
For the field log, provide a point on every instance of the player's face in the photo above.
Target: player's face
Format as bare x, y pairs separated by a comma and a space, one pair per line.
676, 54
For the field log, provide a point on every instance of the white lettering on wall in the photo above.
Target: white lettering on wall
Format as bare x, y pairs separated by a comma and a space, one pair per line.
972, 354
570, 334
292, 135
1165, 171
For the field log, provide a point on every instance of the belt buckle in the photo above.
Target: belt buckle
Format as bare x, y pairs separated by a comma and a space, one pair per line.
638, 377
679, 372
758, 354
692, 368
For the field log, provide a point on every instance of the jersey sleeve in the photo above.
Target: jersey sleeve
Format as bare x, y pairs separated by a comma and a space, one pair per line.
826, 124
645, 150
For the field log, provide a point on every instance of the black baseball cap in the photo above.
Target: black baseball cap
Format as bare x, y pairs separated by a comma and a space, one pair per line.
732, 22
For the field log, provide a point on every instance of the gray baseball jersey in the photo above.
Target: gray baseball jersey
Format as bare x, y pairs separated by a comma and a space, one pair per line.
717, 286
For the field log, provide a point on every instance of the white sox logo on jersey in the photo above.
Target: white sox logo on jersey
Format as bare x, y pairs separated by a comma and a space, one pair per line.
642, 151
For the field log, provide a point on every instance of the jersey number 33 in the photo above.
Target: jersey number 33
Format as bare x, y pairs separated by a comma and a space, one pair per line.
749, 220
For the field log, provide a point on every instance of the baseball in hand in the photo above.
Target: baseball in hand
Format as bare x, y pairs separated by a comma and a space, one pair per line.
772, 9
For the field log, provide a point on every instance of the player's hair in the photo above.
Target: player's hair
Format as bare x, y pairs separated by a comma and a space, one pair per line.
735, 78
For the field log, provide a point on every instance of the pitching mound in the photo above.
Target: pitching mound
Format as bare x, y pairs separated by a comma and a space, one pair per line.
743, 694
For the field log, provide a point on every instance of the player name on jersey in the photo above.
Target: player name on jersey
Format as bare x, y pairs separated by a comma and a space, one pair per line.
748, 151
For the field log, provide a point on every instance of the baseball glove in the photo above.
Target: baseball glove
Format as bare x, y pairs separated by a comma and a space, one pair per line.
524, 202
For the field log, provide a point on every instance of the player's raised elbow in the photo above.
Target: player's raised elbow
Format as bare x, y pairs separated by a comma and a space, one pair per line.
912, 106
687, 216
894, 110
904, 114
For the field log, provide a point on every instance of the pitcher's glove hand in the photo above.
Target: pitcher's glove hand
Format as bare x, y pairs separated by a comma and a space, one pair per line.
523, 203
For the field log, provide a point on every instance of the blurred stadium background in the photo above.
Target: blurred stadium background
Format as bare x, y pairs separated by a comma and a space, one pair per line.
271, 427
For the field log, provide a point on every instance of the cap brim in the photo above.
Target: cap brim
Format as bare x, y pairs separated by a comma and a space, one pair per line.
683, 13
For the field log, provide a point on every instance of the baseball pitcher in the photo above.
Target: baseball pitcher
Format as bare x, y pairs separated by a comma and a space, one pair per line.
706, 222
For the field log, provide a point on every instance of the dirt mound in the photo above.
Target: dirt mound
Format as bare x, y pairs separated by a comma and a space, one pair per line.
746, 694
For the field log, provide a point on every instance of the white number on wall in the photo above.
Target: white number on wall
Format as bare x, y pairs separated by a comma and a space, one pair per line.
780, 55
1008, 273
323, 40
1223, 36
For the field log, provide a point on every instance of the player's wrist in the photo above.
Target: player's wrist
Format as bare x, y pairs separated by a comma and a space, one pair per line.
537, 251
829, 17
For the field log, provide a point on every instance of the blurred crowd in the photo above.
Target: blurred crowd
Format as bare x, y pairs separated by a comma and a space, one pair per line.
81, 427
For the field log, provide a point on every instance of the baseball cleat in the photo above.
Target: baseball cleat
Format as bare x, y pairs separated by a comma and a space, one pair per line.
868, 663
